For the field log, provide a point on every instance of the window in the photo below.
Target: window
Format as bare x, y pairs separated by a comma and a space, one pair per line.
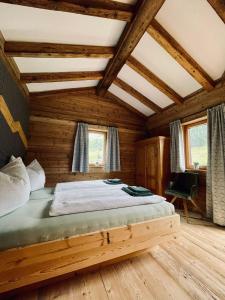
195, 137
97, 145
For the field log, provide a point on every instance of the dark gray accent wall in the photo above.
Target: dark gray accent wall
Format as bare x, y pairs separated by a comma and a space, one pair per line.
10, 143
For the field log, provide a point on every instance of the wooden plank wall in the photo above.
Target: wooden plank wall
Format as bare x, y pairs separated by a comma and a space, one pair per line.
53, 125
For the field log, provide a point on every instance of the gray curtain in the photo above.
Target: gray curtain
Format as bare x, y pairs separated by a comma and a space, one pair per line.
80, 154
215, 200
113, 150
177, 162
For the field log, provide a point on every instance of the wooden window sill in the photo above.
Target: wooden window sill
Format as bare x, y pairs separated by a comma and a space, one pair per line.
94, 167
197, 170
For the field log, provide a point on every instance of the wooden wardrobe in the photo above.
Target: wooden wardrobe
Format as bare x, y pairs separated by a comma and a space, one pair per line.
153, 164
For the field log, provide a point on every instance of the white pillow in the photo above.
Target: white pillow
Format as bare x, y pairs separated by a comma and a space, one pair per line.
37, 175
14, 186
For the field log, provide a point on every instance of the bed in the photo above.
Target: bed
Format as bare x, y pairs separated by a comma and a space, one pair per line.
35, 247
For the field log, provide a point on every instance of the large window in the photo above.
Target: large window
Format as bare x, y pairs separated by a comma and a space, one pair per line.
97, 145
195, 136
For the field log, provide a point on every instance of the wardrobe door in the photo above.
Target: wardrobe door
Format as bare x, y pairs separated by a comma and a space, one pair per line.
151, 166
141, 165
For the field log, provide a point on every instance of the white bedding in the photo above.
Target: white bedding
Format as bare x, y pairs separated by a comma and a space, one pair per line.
89, 184
86, 196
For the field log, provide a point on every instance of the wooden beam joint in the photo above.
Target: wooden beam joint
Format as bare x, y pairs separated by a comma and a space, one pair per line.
130, 37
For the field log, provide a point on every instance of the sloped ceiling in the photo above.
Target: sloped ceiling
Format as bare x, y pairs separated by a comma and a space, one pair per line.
21, 23
193, 24
143, 86
196, 26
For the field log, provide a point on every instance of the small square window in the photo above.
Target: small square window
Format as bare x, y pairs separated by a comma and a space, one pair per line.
97, 145
195, 136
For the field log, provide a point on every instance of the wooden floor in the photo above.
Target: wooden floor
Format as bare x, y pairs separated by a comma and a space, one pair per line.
193, 267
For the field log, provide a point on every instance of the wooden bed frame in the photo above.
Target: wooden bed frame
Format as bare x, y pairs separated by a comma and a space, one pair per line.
20, 267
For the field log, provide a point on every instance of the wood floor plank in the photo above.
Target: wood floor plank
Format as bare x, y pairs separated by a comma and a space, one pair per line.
113, 285
209, 278
206, 247
130, 280
184, 277
87, 287
95, 286
157, 280
206, 238
69, 289
207, 258
215, 232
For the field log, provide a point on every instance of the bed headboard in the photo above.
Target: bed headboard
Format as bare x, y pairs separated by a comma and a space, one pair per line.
14, 117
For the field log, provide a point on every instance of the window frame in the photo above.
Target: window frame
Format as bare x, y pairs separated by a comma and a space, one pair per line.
100, 130
187, 151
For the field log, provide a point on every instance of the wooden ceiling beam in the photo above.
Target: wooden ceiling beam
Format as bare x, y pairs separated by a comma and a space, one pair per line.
12, 67
113, 97
131, 35
130, 90
30, 49
153, 79
61, 76
161, 36
97, 8
84, 90
219, 7
196, 103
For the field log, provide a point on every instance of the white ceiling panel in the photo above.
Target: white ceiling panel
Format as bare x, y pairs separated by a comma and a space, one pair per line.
60, 64
143, 86
195, 25
49, 86
157, 60
117, 91
20, 23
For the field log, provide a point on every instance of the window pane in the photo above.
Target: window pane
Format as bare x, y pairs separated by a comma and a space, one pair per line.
198, 144
96, 148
